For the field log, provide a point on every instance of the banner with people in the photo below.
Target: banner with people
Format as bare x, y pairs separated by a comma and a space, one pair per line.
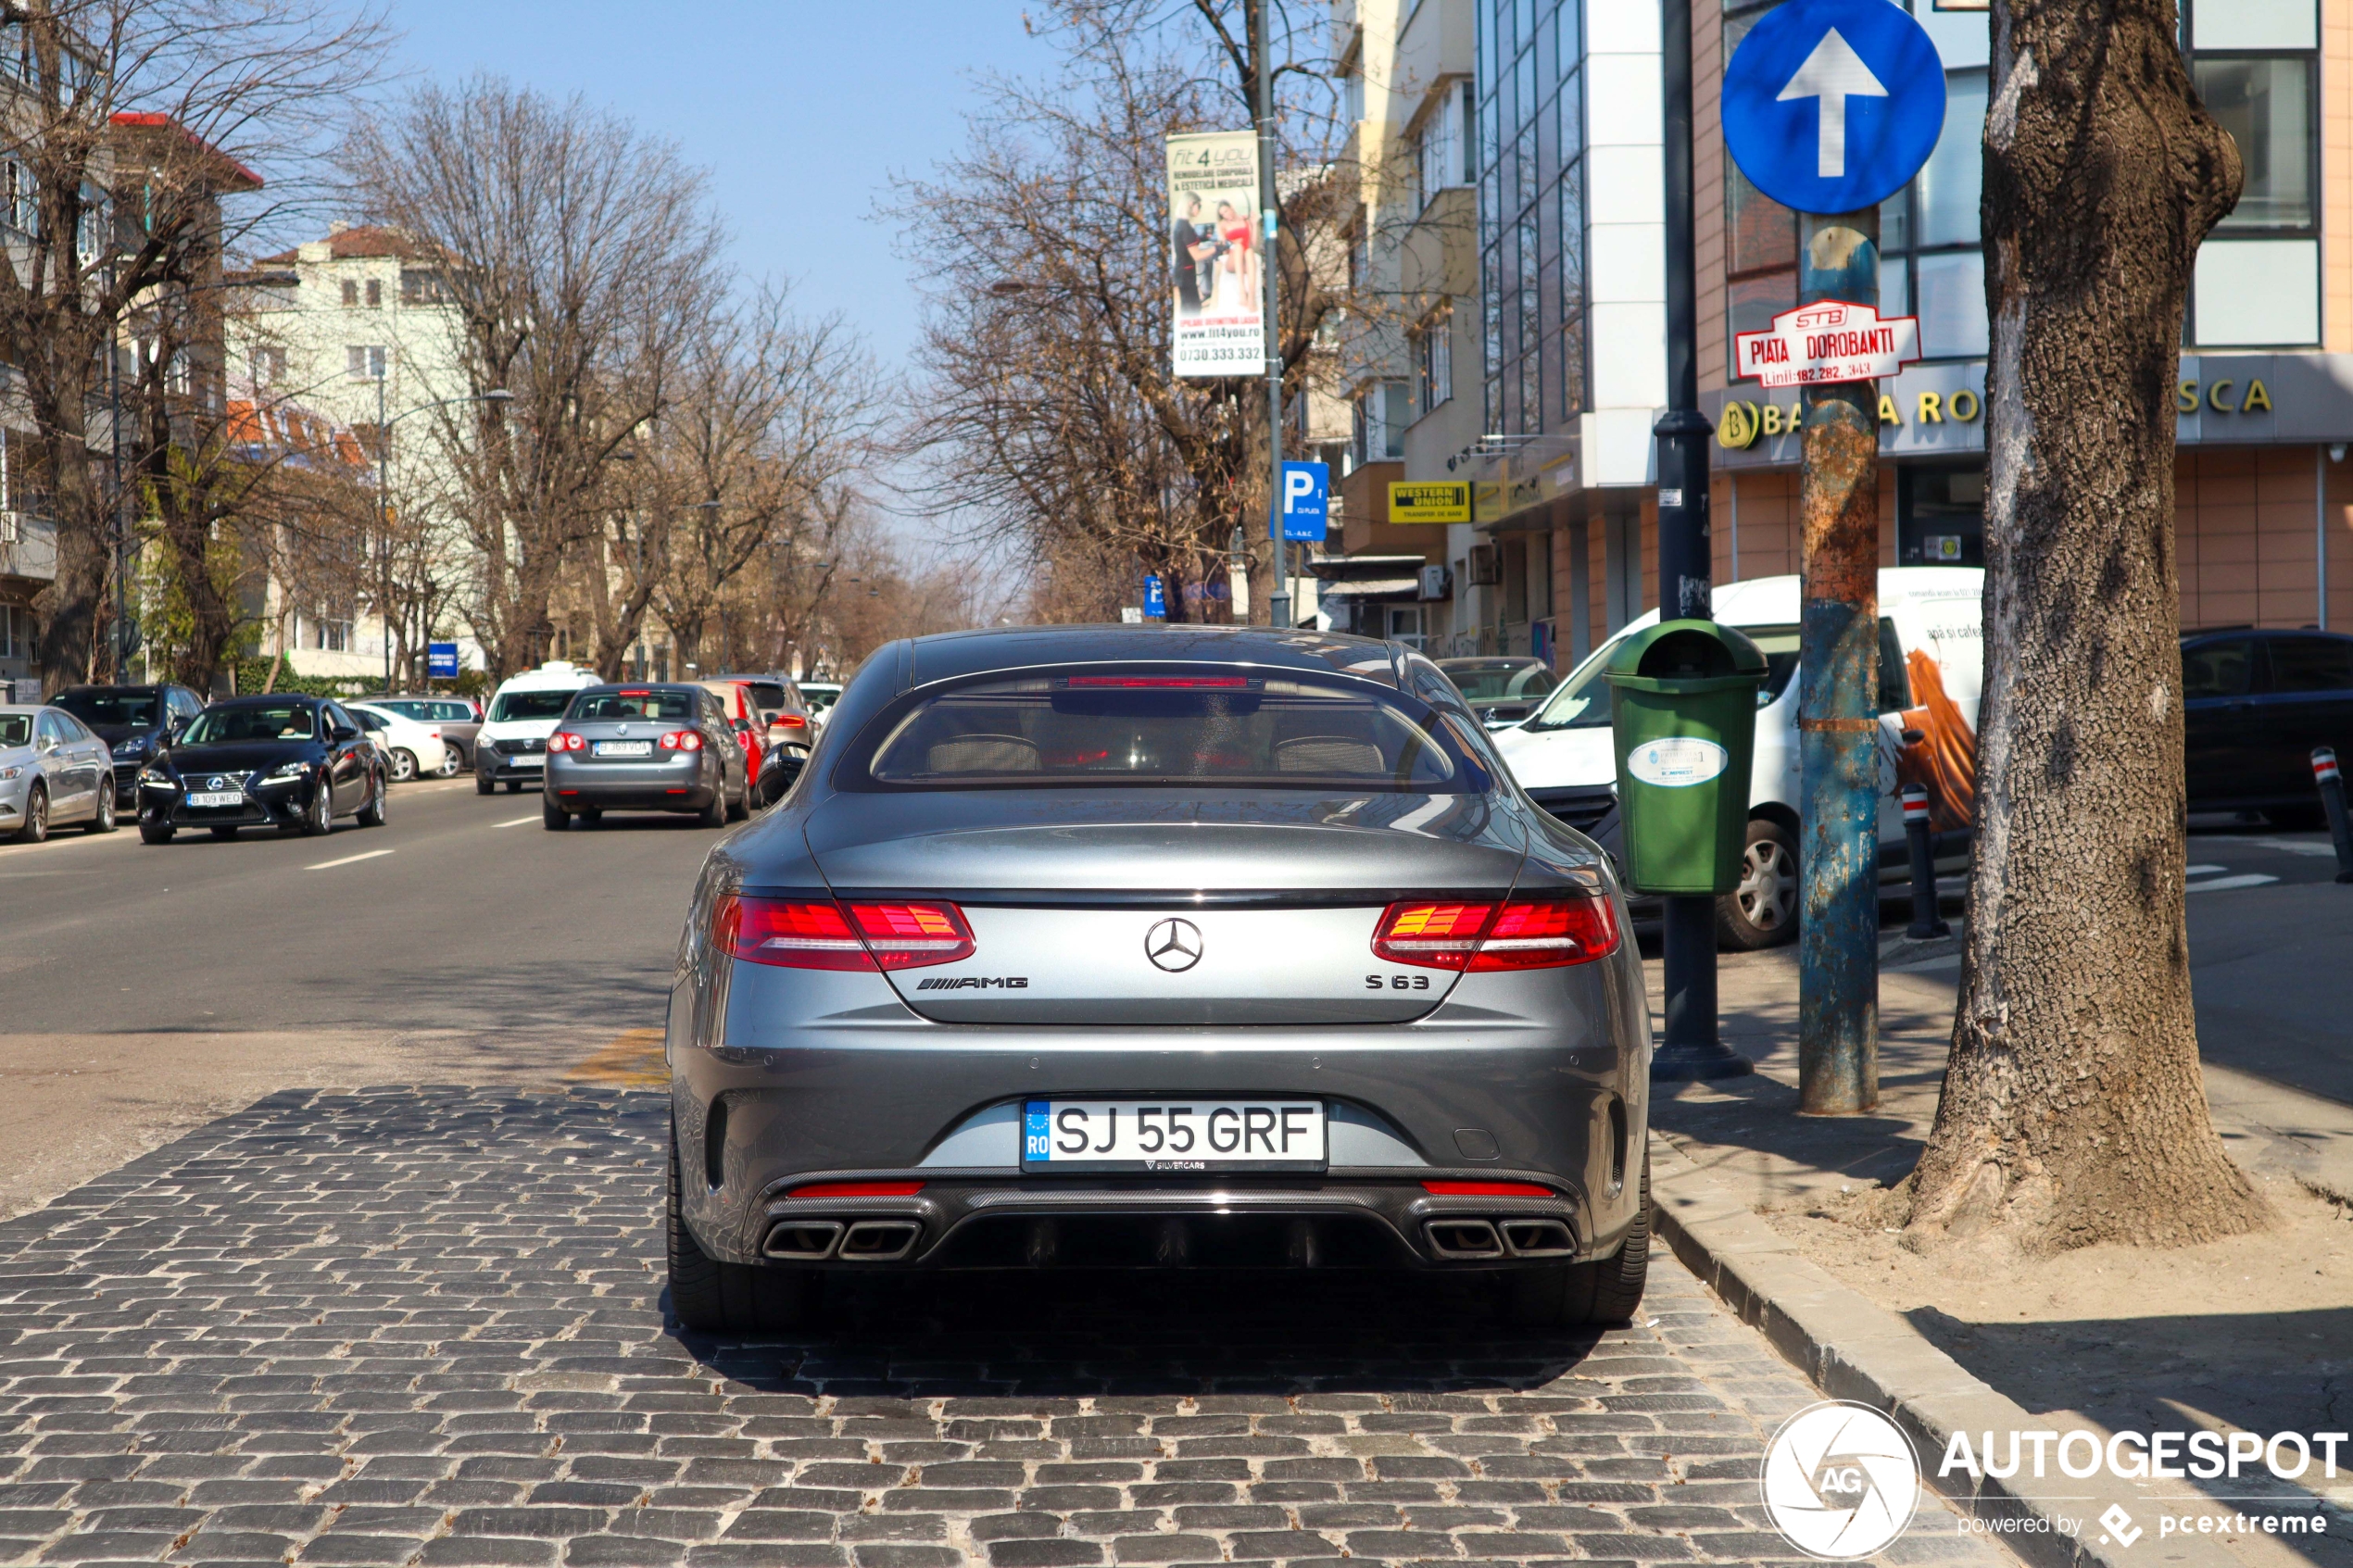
1216, 253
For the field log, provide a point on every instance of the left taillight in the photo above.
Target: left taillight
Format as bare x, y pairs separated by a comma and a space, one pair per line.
567, 742
819, 934
1548, 932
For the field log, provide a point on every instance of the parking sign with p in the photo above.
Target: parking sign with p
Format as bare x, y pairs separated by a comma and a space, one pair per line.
1305, 511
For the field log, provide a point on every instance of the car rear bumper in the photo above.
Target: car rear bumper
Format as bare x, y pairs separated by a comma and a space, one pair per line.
872, 1094
651, 786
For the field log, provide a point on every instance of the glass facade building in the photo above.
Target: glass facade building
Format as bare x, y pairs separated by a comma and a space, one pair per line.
1532, 212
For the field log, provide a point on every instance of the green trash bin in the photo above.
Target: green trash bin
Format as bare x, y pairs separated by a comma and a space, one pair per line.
1684, 715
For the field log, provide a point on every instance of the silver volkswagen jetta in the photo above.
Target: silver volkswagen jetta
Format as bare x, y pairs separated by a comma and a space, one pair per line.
1117, 946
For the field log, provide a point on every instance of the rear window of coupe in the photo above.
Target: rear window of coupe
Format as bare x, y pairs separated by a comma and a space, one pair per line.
1135, 729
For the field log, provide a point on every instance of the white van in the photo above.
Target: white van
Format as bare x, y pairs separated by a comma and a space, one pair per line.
1931, 667
512, 748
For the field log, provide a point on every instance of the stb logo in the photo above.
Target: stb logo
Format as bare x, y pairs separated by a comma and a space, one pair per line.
1839, 1480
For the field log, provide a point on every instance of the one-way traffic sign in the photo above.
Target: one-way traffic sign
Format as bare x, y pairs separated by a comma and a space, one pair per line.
1831, 106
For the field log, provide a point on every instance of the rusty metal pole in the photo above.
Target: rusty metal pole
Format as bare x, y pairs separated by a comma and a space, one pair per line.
1838, 718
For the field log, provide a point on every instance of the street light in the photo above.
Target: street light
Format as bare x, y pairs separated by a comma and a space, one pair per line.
384, 492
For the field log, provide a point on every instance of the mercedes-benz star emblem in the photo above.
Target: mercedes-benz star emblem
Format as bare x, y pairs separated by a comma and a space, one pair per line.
1174, 944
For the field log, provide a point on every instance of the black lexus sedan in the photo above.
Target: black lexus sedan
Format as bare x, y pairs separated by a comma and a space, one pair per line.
135, 721
295, 763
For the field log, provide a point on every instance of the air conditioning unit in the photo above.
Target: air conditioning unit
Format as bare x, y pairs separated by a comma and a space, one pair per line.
1486, 569
1435, 583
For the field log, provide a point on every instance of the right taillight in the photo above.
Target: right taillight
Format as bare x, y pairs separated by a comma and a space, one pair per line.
1523, 933
819, 934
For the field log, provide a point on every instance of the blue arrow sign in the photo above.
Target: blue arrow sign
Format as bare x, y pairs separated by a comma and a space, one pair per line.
1832, 105
1307, 502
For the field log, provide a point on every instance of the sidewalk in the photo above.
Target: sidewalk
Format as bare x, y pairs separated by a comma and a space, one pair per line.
1777, 1212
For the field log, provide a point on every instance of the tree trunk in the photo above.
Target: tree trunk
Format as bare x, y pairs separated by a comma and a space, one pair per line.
2074, 1110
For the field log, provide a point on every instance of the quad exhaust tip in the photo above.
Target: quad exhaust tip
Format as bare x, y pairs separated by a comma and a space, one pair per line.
879, 1241
803, 1241
1455, 1240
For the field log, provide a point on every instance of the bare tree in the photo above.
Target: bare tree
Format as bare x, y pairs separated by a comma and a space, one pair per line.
129, 121
1050, 403
772, 420
2073, 1112
581, 258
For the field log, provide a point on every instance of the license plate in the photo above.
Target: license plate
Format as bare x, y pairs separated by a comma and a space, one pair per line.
1187, 1134
623, 749
217, 797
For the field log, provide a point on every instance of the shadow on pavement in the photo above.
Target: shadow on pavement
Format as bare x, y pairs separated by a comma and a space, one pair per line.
1182, 1334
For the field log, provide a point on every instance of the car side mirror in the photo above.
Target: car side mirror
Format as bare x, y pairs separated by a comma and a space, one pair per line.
779, 771
343, 731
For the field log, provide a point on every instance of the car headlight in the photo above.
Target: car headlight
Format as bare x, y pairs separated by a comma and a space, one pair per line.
151, 774
134, 747
8, 773
285, 770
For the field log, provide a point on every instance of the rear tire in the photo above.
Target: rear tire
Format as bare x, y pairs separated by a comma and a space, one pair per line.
709, 1297
715, 814
372, 815
1762, 912
104, 820
154, 832
552, 817
1607, 1290
739, 808
404, 764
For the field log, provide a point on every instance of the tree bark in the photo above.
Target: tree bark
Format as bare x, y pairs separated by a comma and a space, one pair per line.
2074, 1110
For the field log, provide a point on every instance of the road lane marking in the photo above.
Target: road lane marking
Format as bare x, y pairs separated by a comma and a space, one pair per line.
2225, 884
2296, 846
2202, 871
60, 837
516, 823
347, 860
634, 1059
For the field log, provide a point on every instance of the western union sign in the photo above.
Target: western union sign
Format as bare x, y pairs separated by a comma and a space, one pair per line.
1446, 501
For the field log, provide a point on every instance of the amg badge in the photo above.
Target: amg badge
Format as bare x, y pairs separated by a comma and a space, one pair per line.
974, 982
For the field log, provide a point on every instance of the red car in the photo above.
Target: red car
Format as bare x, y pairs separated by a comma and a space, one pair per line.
743, 718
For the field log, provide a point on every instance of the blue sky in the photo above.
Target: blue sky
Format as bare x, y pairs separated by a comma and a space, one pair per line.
801, 110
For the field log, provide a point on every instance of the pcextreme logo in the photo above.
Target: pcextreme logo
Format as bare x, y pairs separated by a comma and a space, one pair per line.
1840, 1481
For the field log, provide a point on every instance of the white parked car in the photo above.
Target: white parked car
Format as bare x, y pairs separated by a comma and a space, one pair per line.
820, 696
1931, 665
512, 747
413, 749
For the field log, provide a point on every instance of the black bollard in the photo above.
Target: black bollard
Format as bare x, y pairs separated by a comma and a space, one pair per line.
2331, 782
1925, 921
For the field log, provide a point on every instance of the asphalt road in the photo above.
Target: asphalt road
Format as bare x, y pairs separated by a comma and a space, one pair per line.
145, 989
461, 913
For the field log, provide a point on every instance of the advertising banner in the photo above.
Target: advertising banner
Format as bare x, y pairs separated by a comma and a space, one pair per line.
1215, 253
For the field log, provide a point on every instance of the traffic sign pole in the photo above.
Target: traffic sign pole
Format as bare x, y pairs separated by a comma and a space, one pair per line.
1838, 708
1831, 106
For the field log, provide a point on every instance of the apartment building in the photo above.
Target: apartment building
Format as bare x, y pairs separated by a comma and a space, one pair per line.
351, 331
1568, 345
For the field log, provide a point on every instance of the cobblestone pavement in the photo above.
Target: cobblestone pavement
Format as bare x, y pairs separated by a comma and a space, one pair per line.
424, 1327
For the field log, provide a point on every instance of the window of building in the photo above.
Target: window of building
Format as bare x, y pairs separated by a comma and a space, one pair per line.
324, 633
365, 361
1442, 146
1530, 156
1434, 360
15, 631
351, 293
420, 287
269, 365
24, 201
1380, 417
2257, 66
375, 293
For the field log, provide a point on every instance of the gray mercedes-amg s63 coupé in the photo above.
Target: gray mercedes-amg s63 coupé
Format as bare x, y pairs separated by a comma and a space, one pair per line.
1134, 947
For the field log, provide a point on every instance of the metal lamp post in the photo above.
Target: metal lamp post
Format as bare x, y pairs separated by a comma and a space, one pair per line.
384, 491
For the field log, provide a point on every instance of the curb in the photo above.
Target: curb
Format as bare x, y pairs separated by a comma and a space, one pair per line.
1851, 1348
